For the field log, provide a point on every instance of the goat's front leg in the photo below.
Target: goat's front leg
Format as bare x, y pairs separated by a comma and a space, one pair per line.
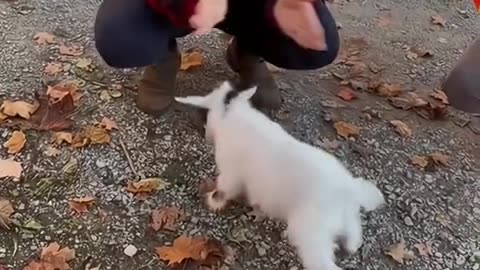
227, 189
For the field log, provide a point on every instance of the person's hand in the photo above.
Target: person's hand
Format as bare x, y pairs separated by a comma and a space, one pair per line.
207, 14
298, 20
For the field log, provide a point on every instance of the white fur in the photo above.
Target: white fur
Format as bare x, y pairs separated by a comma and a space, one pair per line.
290, 180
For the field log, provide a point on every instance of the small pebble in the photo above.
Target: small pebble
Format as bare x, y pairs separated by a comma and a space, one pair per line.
261, 251
100, 163
408, 221
429, 178
130, 250
94, 238
438, 255
460, 260
293, 268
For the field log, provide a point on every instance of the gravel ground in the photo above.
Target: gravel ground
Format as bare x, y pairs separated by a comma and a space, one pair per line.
441, 207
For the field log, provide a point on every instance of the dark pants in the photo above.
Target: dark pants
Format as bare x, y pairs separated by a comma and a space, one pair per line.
129, 34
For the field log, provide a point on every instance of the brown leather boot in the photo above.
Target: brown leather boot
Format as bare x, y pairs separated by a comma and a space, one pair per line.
462, 85
254, 72
156, 88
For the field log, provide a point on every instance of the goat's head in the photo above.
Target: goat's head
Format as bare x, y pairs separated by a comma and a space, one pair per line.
216, 103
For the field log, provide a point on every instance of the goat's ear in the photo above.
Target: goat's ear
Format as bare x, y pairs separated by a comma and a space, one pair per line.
197, 101
247, 94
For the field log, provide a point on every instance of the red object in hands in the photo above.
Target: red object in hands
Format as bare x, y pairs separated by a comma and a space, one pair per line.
178, 12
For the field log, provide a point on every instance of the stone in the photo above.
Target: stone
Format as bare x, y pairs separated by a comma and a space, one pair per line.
130, 250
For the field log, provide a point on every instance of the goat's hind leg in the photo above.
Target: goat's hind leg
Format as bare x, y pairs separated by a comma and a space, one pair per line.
227, 189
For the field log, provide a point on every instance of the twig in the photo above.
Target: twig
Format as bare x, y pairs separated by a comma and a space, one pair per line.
122, 144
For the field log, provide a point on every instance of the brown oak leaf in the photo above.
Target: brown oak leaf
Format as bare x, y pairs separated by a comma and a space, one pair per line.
399, 252
401, 128
6, 210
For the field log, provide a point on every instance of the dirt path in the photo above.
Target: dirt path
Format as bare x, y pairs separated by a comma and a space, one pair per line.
439, 206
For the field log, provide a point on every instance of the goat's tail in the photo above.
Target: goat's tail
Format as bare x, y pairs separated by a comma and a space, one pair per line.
368, 195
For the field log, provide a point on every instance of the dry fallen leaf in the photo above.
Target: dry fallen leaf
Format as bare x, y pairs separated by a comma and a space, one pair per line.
20, 108
401, 128
166, 218
57, 257
191, 59
197, 249
59, 91
346, 94
62, 136
439, 158
3, 117
6, 210
83, 63
74, 50
346, 130
432, 111
146, 186
53, 116
51, 151
79, 140
97, 135
431, 161
399, 252
10, 168
53, 68
424, 249
388, 90
441, 96
16, 142
81, 205
108, 124
421, 161
439, 20
44, 38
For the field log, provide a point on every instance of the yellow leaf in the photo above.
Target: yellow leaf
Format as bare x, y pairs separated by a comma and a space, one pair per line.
147, 185
191, 59
401, 128
16, 142
20, 108
346, 130
97, 135
44, 38
6, 210
62, 136
10, 168
83, 63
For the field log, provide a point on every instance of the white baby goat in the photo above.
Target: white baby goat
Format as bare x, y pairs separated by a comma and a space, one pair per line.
286, 179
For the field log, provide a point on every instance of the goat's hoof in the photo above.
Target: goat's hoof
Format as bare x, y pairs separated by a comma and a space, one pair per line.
215, 201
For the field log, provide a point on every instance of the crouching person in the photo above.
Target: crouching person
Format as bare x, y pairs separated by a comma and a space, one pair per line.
291, 34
